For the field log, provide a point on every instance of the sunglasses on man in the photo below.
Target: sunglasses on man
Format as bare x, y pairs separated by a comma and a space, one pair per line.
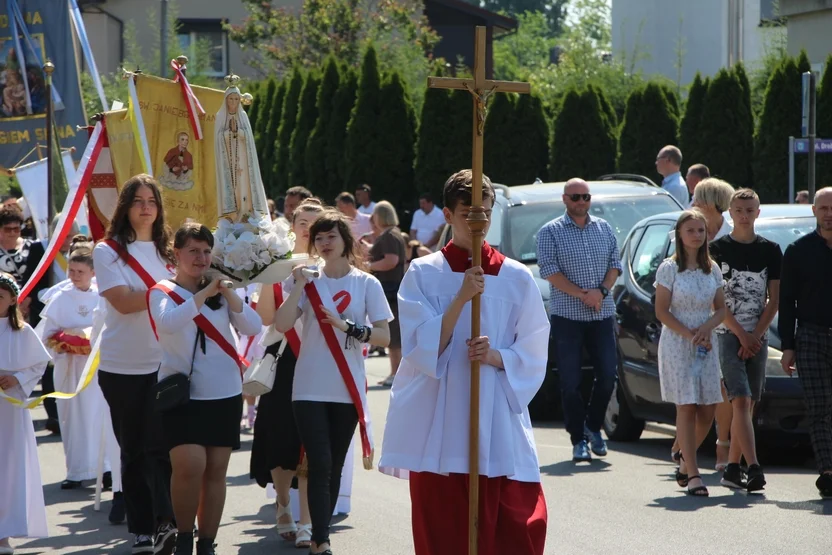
578, 196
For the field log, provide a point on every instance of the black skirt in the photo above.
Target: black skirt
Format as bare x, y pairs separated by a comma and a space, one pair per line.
214, 423
276, 440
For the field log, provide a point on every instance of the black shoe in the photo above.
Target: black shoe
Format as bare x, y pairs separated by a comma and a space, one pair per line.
107, 481
117, 510
824, 485
71, 484
142, 544
53, 426
732, 477
164, 540
184, 544
205, 546
756, 478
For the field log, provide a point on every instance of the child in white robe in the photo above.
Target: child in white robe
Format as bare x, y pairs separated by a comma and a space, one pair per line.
23, 360
427, 431
67, 324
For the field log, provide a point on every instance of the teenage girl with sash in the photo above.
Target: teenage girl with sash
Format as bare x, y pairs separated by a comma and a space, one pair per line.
193, 317
135, 256
329, 389
23, 360
276, 449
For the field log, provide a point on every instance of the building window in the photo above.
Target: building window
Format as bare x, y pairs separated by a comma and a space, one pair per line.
200, 39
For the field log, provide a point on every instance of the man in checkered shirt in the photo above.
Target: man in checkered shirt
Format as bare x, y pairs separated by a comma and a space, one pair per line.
578, 256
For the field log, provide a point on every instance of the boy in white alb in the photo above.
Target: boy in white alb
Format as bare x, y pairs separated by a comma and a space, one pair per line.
426, 436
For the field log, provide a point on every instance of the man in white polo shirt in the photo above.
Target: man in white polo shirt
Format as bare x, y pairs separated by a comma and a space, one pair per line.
427, 223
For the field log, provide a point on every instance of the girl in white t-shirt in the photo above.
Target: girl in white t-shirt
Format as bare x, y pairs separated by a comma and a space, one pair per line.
202, 432
327, 407
135, 256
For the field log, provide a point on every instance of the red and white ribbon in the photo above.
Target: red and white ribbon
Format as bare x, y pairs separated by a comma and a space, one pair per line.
191, 101
70, 208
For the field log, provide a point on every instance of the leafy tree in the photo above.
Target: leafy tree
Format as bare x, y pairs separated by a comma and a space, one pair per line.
500, 138
317, 176
726, 130
650, 123
520, 54
771, 156
552, 12
267, 99
690, 138
583, 144
336, 134
288, 120
397, 132
824, 124
268, 154
306, 120
363, 146
532, 141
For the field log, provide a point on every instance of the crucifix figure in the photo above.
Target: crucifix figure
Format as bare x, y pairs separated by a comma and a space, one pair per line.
481, 89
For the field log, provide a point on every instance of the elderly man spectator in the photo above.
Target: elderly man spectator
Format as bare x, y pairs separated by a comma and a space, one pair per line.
427, 223
578, 256
360, 223
669, 164
802, 197
364, 201
696, 173
806, 300
294, 196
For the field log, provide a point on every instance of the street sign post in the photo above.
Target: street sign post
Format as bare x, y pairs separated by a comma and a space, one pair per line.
801, 146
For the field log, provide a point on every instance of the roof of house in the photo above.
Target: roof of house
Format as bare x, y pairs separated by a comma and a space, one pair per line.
501, 23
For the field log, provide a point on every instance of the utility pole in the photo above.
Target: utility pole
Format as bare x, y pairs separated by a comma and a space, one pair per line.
809, 121
163, 39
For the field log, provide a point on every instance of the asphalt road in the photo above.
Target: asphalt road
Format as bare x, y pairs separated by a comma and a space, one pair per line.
626, 503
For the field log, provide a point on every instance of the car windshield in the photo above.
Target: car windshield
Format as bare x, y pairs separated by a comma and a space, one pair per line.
622, 213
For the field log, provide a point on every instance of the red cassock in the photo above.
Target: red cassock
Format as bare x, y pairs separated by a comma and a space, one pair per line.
512, 516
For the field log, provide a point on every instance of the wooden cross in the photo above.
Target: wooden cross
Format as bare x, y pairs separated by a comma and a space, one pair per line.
481, 88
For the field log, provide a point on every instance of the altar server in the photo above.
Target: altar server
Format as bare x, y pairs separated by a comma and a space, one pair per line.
23, 360
426, 436
66, 329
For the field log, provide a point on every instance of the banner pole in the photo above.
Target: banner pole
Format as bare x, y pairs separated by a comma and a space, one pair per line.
48, 68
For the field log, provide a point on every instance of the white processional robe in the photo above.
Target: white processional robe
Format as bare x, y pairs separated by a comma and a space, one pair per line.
427, 422
22, 510
82, 416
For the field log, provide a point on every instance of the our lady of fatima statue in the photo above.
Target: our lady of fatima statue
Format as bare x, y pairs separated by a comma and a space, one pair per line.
240, 191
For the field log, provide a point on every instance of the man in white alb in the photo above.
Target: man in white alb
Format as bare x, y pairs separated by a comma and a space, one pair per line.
427, 223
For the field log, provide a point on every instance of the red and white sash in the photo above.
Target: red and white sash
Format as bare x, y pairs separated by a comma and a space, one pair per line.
203, 323
131, 261
343, 367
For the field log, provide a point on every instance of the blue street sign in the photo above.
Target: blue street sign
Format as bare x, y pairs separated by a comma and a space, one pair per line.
822, 146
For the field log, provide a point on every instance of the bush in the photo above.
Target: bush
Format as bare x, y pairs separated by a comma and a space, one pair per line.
363, 146
397, 132
317, 176
650, 123
583, 144
307, 118
690, 138
726, 130
280, 167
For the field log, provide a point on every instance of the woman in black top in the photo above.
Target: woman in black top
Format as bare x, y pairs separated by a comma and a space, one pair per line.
387, 260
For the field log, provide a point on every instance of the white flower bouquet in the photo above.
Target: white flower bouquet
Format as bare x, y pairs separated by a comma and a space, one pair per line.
257, 251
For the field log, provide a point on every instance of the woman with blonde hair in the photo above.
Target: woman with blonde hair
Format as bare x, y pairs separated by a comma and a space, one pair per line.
690, 304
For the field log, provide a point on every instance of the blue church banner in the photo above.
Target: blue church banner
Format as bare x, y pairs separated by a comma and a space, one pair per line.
30, 32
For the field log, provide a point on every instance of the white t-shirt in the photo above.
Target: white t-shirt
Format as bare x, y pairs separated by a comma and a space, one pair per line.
216, 375
358, 296
426, 225
368, 210
128, 345
361, 225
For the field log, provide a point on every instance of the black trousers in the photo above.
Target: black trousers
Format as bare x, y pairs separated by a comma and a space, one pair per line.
813, 352
145, 463
326, 430
47, 385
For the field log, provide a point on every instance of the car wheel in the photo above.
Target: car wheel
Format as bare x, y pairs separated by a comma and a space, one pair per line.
619, 422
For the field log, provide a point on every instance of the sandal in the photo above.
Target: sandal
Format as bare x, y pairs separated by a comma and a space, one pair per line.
721, 466
676, 456
388, 381
304, 536
682, 479
698, 491
288, 530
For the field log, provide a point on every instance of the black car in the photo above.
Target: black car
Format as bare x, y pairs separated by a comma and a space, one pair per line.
779, 416
519, 213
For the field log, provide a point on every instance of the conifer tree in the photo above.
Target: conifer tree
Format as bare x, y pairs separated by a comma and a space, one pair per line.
307, 118
650, 123
583, 144
824, 125
459, 136
264, 113
280, 167
499, 141
726, 133
336, 135
253, 112
397, 132
531, 135
268, 156
606, 106
316, 148
432, 143
363, 147
689, 130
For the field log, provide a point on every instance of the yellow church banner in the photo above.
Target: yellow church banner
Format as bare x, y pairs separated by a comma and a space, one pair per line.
183, 166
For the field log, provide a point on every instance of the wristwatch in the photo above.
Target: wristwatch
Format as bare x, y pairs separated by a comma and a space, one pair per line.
604, 291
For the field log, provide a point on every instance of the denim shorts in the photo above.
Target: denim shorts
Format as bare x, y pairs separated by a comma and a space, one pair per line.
743, 378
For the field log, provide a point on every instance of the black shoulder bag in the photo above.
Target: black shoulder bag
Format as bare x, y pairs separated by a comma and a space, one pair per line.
175, 390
